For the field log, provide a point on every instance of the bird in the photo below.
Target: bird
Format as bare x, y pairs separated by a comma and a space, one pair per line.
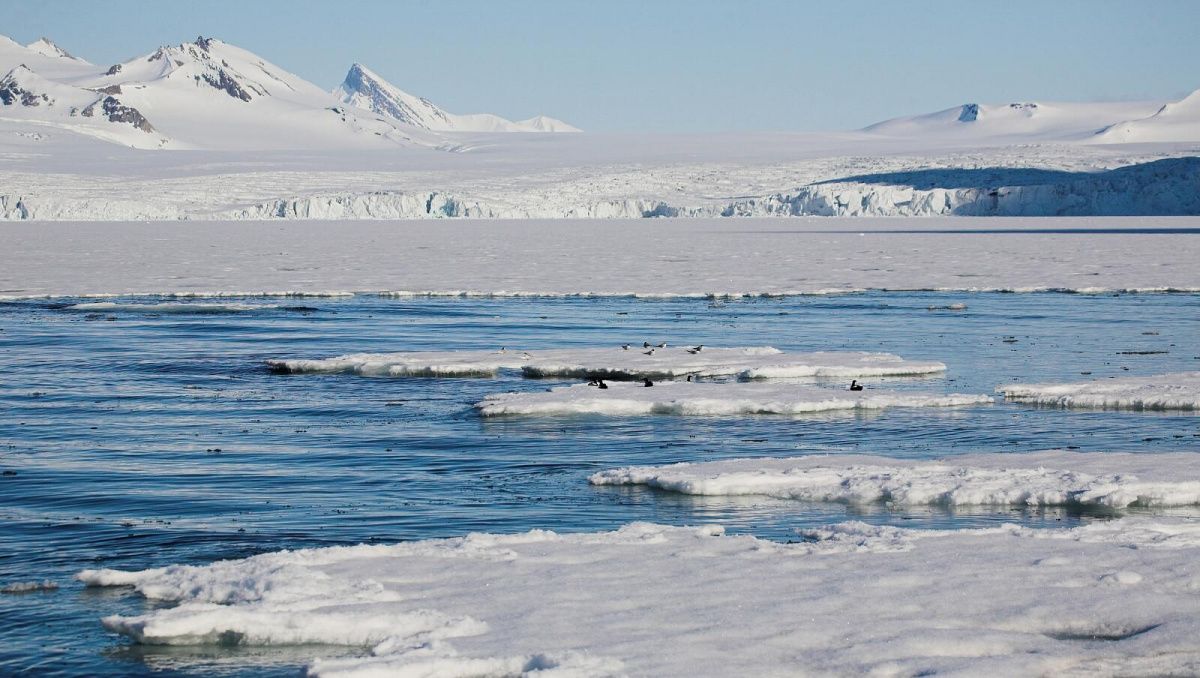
592, 382
625, 346
602, 384
696, 349
650, 352
689, 377
645, 344
647, 383
662, 345
854, 385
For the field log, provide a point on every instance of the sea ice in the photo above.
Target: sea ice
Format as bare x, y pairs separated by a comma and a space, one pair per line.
1107, 598
1106, 480
634, 362
1175, 391
692, 257
709, 398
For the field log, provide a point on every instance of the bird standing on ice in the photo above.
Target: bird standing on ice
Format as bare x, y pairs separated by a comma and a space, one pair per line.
647, 383
854, 385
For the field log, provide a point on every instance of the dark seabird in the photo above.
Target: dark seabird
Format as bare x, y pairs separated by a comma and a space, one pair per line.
625, 346
696, 350
645, 344
650, 352
647, 383
854, 385
663, 345
689, 377
602, 384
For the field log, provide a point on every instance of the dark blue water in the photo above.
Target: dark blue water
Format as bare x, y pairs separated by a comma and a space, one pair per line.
140, 439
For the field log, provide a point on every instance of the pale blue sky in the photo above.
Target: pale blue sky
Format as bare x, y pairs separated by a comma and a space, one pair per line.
676, 65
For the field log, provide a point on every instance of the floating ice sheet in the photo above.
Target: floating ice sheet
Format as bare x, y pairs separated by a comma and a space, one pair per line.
710, 398
1176, 391
1107, 480
1110, 598
618, 363
169, 307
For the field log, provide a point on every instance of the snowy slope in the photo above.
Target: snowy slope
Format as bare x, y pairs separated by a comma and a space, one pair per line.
27, 96
1177, 121
365, 89
42, 56
1015, 121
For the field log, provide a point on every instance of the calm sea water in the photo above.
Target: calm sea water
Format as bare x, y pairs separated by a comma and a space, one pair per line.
140, 439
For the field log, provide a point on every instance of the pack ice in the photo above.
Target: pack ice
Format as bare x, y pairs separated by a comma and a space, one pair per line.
709, 398
617, 363
1109, 480
1109, 598
1174, 391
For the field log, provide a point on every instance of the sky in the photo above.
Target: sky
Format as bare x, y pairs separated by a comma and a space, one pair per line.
676, 65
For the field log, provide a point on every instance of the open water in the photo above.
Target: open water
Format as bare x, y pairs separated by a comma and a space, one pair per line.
138, 438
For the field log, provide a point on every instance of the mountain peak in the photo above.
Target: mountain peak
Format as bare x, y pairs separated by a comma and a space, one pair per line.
363, 88
205, 43
46, 47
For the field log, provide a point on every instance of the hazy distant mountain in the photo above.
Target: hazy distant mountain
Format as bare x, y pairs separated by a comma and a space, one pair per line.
364, 89
1177, 121
1049, 121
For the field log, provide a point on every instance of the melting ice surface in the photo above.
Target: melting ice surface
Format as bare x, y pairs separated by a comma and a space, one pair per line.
146, 439
1111, 480
1112, 598
1177, 391
710, 398
619, 362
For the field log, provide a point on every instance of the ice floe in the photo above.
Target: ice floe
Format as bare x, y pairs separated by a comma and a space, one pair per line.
709, 398
167, 307
1107, 598
634, 362
1056, 478
1175, 391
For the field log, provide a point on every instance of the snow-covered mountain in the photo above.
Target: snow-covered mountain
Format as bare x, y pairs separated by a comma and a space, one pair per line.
364, 89
203, 94
1176, 121
1015, 122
